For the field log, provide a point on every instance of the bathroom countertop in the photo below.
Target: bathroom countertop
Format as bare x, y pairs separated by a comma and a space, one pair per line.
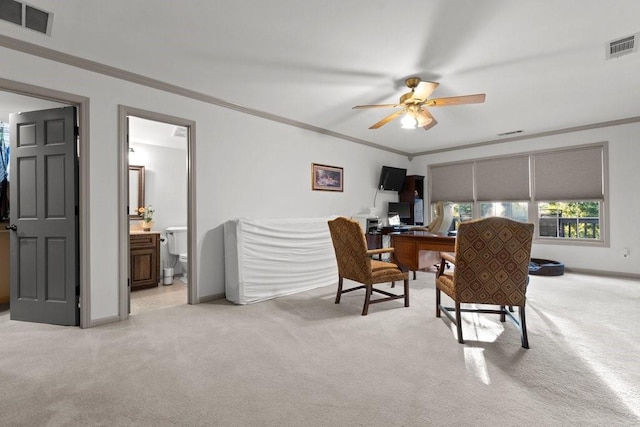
143, 232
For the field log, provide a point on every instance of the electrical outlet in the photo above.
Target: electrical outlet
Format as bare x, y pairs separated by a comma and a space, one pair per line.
625, 253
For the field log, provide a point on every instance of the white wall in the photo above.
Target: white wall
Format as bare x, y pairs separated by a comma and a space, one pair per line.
623, 196
245, 167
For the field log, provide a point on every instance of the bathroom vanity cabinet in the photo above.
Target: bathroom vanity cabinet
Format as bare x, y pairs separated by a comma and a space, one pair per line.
144, 259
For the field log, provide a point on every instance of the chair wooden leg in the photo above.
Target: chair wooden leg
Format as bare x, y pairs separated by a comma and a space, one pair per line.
523, 327
502, 315
438, 302
459, 323
367, 299
406, 293
339, 290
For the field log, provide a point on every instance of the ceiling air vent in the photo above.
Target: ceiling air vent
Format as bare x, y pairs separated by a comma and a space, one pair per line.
180, 132
26, 16
622, 46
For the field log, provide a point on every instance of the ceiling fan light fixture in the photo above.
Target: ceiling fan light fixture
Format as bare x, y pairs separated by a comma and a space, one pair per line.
409, 121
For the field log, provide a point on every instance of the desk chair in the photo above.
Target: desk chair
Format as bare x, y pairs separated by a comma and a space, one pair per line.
355, 263
441, 223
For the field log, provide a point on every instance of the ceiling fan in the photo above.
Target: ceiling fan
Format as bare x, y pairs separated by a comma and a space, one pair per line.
413, 105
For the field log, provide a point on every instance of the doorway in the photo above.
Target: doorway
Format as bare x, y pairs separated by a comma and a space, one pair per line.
17, 97
156, 152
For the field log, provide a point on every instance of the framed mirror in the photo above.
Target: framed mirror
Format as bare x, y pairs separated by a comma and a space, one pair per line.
136, 190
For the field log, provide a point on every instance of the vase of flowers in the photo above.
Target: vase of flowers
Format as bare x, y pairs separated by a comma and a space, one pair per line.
146, 213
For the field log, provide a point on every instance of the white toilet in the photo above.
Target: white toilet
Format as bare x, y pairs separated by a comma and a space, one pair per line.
177, 243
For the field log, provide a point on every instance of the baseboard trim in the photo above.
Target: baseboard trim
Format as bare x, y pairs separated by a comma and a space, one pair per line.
104, 321
603, 273
210, 298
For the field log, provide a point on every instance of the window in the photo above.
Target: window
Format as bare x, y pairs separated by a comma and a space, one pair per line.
569, 220
518, 211
562, 191
461, 212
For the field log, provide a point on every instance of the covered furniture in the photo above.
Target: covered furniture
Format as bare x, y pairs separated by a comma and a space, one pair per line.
269, 258
491, 267
355, 263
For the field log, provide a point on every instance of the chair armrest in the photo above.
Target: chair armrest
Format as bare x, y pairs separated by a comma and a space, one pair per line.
379, 251
448, 257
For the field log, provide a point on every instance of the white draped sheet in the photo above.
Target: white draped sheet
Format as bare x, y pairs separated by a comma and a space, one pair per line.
268, 258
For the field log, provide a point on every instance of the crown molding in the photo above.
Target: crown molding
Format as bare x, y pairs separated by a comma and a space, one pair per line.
118, 73
533, 135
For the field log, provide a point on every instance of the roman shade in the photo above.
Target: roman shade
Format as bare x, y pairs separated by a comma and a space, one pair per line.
575, 174
453, 183
503, 179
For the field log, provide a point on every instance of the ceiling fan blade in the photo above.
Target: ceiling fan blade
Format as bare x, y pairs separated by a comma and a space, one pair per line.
387, 119
423, 90
430, 124
425, 119
358, 107
456, 100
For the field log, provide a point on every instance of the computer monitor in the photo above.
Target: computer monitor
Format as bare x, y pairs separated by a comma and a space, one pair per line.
402, 209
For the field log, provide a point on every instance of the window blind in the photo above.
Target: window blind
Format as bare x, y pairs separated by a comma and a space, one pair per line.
503, 179
452, 183
575, 174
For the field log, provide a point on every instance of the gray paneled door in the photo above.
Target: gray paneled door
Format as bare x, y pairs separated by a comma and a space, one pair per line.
44, 204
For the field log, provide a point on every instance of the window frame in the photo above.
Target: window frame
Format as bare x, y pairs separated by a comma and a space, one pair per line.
533, 204
603, 224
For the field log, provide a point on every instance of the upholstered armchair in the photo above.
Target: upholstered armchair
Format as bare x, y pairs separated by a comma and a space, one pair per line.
440, 224
355, 263
442, 221
491, 267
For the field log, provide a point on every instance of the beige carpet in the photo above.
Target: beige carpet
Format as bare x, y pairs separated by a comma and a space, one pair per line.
160, 297
301, 360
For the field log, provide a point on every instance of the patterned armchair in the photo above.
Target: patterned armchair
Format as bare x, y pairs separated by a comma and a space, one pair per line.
355, 263
491, 267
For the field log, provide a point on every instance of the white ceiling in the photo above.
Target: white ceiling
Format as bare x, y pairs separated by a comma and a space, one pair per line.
541, 63
14, 103
143, 131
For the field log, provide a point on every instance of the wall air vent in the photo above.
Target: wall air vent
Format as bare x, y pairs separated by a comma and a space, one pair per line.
513, 132
26, 16
622, 46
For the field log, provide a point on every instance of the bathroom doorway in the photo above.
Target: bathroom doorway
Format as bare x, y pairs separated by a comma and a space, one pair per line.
156, 151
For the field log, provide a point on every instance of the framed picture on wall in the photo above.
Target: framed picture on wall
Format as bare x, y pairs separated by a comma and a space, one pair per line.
326, 178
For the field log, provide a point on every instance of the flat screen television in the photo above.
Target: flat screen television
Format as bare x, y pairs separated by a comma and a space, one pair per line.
391, 179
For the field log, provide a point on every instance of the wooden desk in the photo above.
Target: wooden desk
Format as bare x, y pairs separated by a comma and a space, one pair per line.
418, 250
375, 239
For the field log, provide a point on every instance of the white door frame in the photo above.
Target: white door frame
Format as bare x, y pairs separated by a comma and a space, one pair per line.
123, 201
84, 238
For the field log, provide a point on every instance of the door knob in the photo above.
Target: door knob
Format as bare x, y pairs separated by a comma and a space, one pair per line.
11, 227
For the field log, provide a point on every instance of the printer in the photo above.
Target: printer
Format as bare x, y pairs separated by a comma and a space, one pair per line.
368, 222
